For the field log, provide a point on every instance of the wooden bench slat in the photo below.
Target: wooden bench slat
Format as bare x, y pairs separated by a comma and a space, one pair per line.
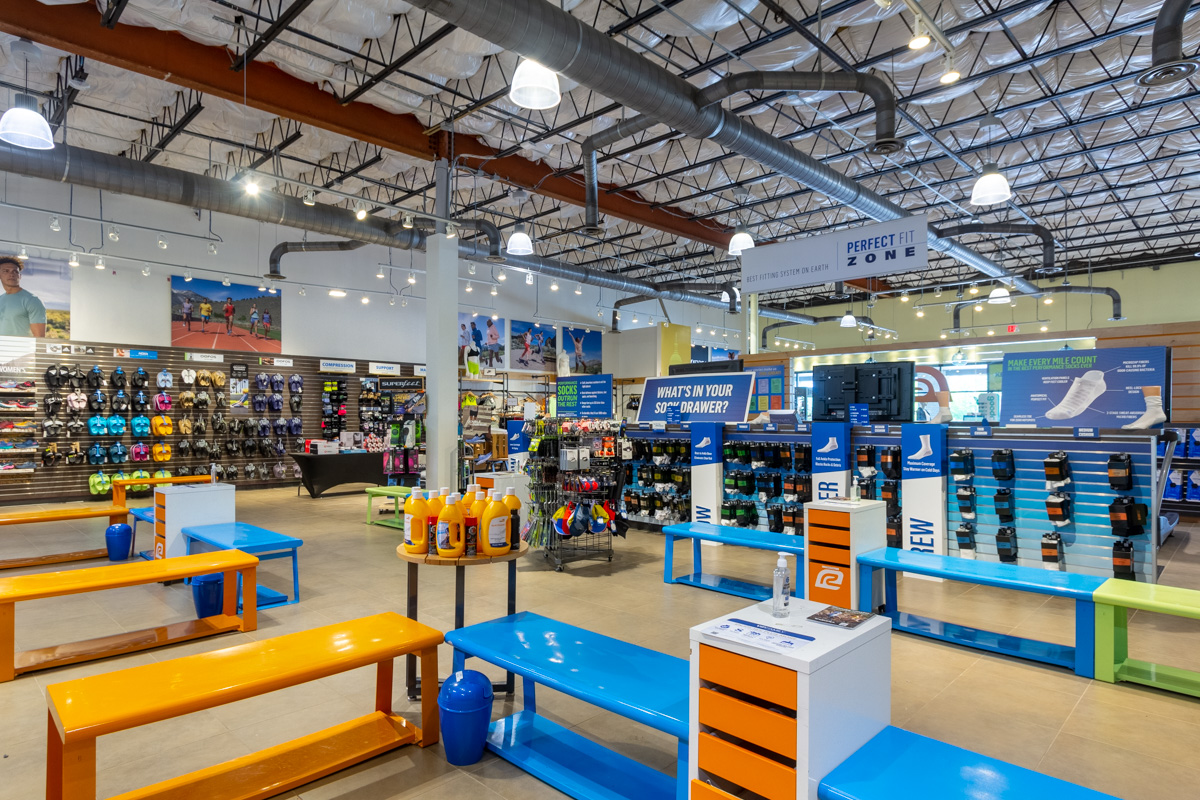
91, 579
97, 705
986, 573
60, 515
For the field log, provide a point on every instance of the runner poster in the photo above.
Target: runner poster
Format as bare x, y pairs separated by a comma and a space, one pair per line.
534, 347
582, 346
208, 315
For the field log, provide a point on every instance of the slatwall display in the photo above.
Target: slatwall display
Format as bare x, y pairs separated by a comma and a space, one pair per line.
70, 481
731, 494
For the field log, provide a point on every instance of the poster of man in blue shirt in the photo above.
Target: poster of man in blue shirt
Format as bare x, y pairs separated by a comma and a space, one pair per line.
21, 312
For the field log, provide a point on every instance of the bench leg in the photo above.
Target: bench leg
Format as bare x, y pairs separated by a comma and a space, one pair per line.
866, 581
383, 685
697, 558
429, 692
296, 575
891, 596
668, 558
1112, 641
70, 768
1085, 638
8, 641
529, 694
249, 583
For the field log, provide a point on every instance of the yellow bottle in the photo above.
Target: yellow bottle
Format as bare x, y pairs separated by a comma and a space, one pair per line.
436, 503
451, 537
474, 505
416, 523
514, 506
494, 529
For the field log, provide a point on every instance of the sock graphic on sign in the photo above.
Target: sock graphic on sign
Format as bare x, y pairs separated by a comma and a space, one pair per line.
1080, 396
1153, 416
943, 415
926, 451
830, 446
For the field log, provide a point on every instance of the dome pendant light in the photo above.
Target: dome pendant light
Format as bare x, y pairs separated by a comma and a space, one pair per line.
519, 244
991, 187
24, 126
999, 296
534, 87
741, 240
848, 321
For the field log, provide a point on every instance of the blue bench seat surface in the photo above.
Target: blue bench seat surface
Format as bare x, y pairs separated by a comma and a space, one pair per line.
740, 537
986, 573
145, 514
643, 685
899, 765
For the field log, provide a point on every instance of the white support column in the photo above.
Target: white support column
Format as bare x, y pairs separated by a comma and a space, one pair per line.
441, 344
750, 310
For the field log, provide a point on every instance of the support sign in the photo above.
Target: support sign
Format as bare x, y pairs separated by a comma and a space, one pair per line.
883, 248
698, 398
923, 471
830, 460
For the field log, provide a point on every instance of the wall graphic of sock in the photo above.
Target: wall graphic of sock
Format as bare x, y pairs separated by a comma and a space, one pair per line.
1082, 394
1153, 416
926, 451
943, 415
830, 446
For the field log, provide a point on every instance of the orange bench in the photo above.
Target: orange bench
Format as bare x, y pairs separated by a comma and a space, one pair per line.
57, 584
84, 709
116, 514
121, 486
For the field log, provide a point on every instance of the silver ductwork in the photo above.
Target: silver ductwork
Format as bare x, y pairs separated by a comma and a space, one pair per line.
559, 41
283, 248
1105, 290
1011, 229
1169, 65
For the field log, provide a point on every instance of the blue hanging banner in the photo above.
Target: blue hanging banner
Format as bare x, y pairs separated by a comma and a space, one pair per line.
700, 398
585, 396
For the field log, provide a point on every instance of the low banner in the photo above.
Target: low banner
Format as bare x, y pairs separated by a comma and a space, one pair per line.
923, 491
830, 460
698, 398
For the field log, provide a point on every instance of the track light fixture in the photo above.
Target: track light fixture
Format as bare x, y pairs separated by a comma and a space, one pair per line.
412, 277
251, 187
100, 263
22, 254
114, 233
337, 292
225, 281
502, 276
406, 221
187, 276
554, 285
212, 248
365, 300
162, 242
310, 198
470, 288
528, 278
360, 212
73, 261
55, 224
146, 270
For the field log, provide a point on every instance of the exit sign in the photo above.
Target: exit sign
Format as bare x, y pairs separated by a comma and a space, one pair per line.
1013, 329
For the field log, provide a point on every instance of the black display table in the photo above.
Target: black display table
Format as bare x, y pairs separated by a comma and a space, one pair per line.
319, 473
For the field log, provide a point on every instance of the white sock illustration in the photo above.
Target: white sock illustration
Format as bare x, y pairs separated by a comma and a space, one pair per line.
943, 415
830, 446
926, 451
1176, 477
1152, 417
1080, 396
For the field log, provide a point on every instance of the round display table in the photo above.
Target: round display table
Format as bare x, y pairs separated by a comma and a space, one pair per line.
460, 565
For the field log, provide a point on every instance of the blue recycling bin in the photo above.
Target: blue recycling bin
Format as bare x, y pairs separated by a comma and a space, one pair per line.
119, 539
465, 704
207, 594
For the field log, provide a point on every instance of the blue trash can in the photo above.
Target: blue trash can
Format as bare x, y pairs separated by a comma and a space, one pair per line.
207, 591
119, 539
465, 703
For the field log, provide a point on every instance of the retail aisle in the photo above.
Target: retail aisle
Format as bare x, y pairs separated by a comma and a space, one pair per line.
1133, 742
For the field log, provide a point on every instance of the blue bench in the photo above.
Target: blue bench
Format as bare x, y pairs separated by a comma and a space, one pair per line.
142, 515
642, 685
1079, 588
738, 537
265, 544
898, 765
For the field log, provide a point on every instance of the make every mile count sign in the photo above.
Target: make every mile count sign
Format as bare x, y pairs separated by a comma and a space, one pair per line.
882, 248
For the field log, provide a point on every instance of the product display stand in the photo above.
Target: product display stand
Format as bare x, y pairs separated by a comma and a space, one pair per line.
579, 484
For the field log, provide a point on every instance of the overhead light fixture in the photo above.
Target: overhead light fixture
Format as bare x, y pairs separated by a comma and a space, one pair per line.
251, 187
698, 328
187, 276
470, 288
114, 233
920, 39
212, 248
310, 198
1066, 281
904, 296
262, 286
519, 243
451, 230
55, 224
380, 273
100, 263
937, 292
991, 332
777, 343
406, 221
162, 242
146, 270
579, 288
73, 261
495, 291
959, 356
529, 279
474, 314
943, 336
22, 254
272, 289
1048, 300
991, 187
871, 302
974, 289
651, 321
959, 293
392, 300
225, 281
887, 335
470, 267
24, 126
1045, 328
848, 321
920, 312
302, 291
978, 307
949, 73
999, 296
554, 286
534, 87
404, 302
635, 319
741, 240
495, 317
337, 292
360, 212
502, 276
365, 300
599, 313
412, 277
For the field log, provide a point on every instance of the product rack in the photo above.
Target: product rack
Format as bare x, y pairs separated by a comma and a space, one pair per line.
544, 491
651, 503
787, 439
1186, 457
606, 471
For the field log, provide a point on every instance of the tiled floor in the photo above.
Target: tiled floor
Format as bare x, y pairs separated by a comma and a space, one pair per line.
1136, 743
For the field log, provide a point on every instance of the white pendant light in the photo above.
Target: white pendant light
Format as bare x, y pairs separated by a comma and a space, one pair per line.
920, 39
534, 86
991, 187
519, 243
848, 321
24, 126
999, 296
741, 240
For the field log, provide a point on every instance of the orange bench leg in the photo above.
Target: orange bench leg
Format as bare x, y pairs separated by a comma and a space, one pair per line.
249, 597
430, 730
70, 768
8, 641
383, 686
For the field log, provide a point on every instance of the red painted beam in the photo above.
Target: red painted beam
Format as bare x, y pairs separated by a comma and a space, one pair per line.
172, 57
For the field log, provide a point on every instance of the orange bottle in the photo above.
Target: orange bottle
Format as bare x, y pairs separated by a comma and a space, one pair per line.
451, 533
416, 523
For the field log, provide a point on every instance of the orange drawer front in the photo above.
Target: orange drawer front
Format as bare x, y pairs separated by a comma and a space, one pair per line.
822, 535
755, 724
829, 519
768, 682
828, 555
704, 791
749, 770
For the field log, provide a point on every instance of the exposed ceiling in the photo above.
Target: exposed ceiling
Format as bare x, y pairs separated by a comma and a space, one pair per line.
357, 97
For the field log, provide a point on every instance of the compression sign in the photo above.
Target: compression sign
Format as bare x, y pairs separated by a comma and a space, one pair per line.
699, 398
881, 248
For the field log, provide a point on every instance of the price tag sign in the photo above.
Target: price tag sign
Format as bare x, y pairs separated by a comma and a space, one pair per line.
1087, 433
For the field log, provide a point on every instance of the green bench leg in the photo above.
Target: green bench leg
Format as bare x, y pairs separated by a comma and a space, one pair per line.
369, 509
1112, 640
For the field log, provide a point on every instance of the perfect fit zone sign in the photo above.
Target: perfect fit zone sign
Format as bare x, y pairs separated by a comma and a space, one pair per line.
883, 248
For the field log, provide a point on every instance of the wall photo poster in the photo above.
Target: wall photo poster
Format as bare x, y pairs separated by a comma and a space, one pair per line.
36, 299
724, 354
208, 315
534, 347
583, 347
481, 342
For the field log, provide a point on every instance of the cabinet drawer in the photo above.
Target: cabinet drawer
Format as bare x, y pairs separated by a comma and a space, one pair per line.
749, 770
776, 685
755, 724
829, 519
704, 791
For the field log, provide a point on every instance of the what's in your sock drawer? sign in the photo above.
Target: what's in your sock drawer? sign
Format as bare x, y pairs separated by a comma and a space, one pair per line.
1122, 387
697, 398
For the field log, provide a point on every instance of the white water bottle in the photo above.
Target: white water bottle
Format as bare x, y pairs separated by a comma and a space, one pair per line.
781, 589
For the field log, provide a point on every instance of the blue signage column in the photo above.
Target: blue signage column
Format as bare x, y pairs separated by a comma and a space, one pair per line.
707, 471
923, 472
830, 460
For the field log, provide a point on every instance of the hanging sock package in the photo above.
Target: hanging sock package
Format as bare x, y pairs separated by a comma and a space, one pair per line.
865, 460
889, 462
1057, 467
1127, 516
1120, 472
1058, 509
866, 489
966, 540
1122, 560
802, 457
966, 501
1003, 466
775, 518
1051, 551
962, 465
895, 531
889, 493
1006, 545
1005, 505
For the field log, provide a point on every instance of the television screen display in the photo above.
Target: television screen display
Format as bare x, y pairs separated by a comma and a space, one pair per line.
886, 389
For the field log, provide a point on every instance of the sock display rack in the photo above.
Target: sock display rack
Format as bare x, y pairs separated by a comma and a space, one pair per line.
1181, 484
875, 466
766, 480
658, 478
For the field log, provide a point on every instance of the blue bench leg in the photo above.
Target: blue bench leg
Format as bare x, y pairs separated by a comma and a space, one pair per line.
891, 598
681, 769
1085, 638
866, 581
529, 694
460, 660
697, 563
669, 558
295, 576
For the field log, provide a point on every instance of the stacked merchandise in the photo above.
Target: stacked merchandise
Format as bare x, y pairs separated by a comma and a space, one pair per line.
18, 443
372, 416
333, 409
766, 484
878, 478
658, 480
1181, 488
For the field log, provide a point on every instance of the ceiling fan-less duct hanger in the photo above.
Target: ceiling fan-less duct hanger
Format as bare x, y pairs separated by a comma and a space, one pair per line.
886, 141
559, 41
